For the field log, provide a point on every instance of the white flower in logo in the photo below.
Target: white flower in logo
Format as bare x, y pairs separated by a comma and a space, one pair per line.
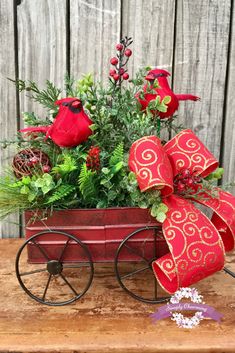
180, 320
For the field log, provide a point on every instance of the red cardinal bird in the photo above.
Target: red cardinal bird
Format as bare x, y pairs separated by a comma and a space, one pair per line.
164, 90
71, 125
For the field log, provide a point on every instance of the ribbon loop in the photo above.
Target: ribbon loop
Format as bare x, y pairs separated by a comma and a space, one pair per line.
186, 151
151, 165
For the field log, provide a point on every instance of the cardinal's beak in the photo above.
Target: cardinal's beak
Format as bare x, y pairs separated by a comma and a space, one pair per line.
150, 77
77, 104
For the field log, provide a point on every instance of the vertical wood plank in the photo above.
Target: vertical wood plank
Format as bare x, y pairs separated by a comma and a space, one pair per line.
8, 118
42, 45
228, 150
151, 24
94, 31
202, 34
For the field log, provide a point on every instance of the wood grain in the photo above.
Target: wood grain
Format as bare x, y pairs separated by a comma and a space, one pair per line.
106, 319
94, 31
228, 150
151, 24
201, 48
41, 45
8, 105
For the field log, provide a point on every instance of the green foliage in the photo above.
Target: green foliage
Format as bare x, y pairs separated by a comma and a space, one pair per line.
67, 166
87, 184
34, 186
158, 105
30, 119
117, 156
216, 175
11, 199
45, 183
61, 192
46, 97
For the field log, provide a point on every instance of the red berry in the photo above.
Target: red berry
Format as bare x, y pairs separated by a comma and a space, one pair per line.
112, 72
185, 173
121, 71
190, 182
180, 186
119, 47
128, 52
116, 77
197, 179
125, 76
33, 160
46, 168
113, 61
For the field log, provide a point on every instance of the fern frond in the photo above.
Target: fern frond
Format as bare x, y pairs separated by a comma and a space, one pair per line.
87, 183
60, 193
117, 155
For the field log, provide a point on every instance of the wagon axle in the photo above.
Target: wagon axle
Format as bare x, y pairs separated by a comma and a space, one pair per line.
54, 267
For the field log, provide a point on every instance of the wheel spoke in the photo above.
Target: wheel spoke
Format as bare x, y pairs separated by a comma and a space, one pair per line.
32, 272
46, 288
134, 272
75, 266
155, 244
63, 250
41, 250
155, 287
68, 284
136, 252
229, 272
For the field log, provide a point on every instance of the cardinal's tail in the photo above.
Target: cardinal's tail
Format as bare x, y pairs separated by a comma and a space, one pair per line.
185, 97
43, 129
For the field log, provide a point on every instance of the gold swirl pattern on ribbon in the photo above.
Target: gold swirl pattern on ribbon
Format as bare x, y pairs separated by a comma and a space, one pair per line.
151, 165
189, 244
186, 151
224, 214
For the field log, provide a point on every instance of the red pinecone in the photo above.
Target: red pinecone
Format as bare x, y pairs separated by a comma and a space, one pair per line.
93, 158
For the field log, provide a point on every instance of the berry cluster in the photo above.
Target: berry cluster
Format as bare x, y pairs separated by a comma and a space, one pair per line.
120, 61
35, 162
93, 158
186, 181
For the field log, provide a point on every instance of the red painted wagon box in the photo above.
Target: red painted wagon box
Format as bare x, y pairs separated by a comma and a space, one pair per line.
101, 230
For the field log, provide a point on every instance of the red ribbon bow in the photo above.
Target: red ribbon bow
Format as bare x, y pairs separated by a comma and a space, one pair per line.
196, 244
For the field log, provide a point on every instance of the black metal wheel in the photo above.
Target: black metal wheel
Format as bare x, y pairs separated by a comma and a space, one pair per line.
49, 276
133, 264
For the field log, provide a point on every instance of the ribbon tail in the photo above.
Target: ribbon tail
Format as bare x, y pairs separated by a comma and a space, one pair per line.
196, 250
223, 217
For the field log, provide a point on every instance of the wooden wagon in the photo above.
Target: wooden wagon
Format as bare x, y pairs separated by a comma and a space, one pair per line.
61, 250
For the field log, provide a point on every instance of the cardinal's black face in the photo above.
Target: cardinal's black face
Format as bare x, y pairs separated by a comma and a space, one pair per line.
159, 75
74, 106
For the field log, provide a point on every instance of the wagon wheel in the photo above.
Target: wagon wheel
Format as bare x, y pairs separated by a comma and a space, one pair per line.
50, 276
133, 265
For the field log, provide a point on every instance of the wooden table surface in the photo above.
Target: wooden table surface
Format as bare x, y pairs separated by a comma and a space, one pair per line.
106, 319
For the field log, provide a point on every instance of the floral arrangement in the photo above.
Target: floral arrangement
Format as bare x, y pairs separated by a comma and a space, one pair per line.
90, 168
102, 146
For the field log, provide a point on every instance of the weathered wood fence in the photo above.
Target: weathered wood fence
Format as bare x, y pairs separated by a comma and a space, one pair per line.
194, 40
